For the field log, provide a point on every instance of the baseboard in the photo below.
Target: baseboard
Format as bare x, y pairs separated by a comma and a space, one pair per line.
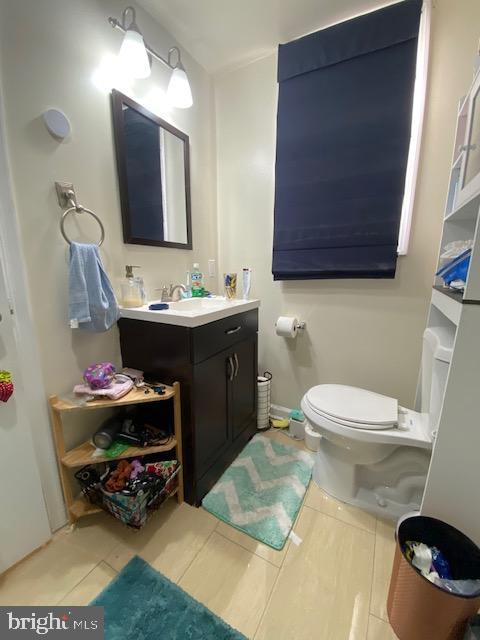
277, 411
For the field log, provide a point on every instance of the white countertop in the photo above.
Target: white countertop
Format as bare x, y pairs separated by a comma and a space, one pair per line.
191, 312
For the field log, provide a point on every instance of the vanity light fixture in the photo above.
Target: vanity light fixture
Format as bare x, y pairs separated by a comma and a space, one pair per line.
135, 56
178, 90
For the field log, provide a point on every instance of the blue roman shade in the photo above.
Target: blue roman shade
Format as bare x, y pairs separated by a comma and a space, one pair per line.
343, 135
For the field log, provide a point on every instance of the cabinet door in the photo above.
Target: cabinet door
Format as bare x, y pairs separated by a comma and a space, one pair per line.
211, 391
470, 179
243, 399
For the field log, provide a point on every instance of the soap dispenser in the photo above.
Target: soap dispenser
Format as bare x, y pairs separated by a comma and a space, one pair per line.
133, 290
197, 281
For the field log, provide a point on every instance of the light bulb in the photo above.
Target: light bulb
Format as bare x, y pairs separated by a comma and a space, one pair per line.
133, 56
179, 93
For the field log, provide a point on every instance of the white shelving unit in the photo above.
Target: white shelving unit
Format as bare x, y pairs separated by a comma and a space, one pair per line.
453, 483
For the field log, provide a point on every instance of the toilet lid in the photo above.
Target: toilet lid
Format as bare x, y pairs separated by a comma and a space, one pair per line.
353, 405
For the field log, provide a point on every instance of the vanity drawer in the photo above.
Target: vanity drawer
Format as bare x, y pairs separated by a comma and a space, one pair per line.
214, 337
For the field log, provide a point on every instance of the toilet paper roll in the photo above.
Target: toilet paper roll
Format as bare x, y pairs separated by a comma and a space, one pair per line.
312, 438
286, 326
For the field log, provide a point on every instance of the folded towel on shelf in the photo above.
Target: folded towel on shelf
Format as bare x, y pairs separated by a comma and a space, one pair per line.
115, 391
92, 304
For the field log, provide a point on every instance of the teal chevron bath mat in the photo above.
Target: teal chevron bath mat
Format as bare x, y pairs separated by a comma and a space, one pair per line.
261, 491
140, 603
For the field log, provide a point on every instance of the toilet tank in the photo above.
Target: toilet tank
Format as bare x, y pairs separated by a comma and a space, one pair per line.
436, 357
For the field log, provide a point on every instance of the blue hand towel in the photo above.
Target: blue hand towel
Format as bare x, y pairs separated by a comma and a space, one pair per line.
92, 305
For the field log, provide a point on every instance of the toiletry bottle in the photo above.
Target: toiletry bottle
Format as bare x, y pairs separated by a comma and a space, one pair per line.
139, 281
246, 282
188, 286
197, 281
133, 291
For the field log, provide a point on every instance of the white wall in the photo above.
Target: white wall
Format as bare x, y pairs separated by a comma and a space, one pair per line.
49, 51
361, 332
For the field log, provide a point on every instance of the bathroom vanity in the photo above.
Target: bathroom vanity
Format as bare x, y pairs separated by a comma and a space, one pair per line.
210, 347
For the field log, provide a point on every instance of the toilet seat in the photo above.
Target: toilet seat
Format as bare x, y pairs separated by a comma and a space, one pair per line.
353, 407
412, 428
356, 425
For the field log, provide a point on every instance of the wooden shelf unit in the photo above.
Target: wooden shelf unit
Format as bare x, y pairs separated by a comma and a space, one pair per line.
83, 454
135, 396
82, 507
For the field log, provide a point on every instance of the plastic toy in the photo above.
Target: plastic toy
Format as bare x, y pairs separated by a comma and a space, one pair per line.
119, 477
100, 375
137, 468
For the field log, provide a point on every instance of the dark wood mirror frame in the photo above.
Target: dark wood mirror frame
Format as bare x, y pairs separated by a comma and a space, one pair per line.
119, 99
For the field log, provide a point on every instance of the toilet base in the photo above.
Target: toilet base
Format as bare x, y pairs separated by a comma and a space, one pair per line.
388, 488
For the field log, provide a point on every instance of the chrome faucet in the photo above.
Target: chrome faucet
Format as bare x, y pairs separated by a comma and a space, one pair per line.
168, 292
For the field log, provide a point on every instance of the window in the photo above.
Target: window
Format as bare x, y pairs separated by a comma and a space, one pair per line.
343, 139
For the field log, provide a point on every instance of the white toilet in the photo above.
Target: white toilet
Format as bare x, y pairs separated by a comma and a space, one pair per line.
374, 453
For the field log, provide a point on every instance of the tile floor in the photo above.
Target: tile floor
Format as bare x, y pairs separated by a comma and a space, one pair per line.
333, 586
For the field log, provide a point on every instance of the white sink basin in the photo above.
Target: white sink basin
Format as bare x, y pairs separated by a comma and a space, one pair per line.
191, 312
197, 305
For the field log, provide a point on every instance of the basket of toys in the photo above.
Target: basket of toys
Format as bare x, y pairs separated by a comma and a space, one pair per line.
130, 490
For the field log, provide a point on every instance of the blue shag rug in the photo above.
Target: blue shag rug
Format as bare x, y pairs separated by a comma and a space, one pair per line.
142, 604
262, 490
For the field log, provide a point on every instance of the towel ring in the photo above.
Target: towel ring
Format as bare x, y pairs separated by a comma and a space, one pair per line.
80, 209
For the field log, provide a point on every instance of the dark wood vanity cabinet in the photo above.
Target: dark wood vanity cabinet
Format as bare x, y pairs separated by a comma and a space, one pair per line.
216, 365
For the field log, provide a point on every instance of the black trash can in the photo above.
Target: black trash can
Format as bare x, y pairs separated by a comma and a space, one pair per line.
417, 608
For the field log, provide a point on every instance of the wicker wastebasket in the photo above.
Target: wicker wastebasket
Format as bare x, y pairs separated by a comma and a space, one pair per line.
417, 608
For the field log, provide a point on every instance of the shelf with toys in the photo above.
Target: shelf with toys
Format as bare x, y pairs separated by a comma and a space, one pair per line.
87, 454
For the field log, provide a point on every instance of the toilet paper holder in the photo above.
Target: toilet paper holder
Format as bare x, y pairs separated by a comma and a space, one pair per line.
289, 326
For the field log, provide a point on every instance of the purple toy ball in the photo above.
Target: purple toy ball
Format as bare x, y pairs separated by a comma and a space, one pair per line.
100, 375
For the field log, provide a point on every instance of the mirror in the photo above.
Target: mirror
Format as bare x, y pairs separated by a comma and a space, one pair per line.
153, 176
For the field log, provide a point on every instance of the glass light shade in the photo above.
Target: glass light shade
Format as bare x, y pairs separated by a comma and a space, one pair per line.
133, 56
179, 93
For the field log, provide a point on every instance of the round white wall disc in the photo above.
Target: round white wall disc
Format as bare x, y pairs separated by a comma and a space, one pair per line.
57, 123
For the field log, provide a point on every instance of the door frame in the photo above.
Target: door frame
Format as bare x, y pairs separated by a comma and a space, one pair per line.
11, 256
